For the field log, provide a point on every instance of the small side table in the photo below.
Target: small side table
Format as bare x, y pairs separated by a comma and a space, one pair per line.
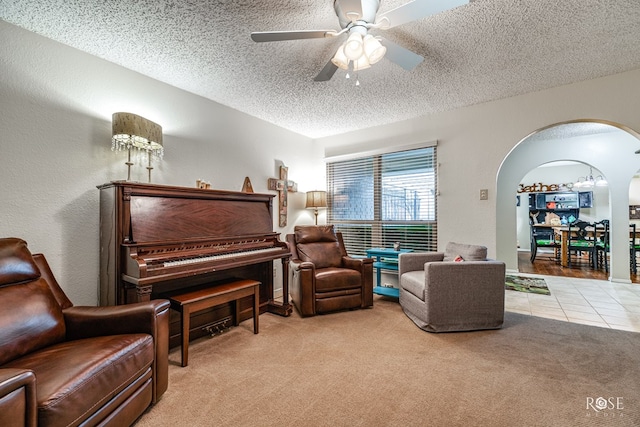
385, 259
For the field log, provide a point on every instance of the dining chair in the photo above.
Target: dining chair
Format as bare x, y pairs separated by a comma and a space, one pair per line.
543, 238
634, 248
581, 239
602, 248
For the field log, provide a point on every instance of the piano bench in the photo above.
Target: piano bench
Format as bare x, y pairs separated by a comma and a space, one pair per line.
204, 298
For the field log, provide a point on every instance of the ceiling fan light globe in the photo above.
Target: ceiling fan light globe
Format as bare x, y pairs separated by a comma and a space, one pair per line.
353, 47
373, 49
340, 60
361, 63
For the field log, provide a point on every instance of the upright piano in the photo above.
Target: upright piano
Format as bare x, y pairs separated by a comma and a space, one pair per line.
156, 240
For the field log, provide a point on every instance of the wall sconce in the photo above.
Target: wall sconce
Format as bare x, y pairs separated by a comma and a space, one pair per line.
130, 130
316, 200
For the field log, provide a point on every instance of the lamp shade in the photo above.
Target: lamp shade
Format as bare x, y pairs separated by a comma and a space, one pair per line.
130, 130
316, 199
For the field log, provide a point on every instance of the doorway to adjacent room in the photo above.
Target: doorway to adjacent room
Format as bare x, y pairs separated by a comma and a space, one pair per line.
607, 146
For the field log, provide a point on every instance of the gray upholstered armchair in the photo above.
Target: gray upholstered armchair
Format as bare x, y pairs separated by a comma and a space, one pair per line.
455, 290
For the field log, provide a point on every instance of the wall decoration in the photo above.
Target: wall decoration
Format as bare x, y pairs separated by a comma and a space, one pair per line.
585, 199
282, 186
543, 188
200, 183
247, 187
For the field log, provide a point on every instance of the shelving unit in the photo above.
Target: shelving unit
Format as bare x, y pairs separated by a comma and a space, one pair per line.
563, 204
385, 259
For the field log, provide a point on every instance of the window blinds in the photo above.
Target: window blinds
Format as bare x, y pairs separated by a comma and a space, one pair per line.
385, 198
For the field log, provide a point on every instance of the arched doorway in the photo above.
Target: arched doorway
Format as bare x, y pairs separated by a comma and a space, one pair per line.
608, 146
586, 200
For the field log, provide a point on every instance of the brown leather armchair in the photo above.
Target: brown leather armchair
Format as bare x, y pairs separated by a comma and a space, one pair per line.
62, 365
323, 277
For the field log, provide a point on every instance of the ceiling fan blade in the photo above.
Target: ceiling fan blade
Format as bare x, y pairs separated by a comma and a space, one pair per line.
401, 56
277, 36
327, 72
417, 9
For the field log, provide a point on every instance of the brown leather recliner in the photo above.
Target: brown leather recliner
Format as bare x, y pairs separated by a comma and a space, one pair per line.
62, 365
323, 277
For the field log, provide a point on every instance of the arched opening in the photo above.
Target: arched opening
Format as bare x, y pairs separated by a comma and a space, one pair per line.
558, 193
608, 147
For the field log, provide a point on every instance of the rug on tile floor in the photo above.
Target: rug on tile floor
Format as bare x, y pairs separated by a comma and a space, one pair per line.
533, 285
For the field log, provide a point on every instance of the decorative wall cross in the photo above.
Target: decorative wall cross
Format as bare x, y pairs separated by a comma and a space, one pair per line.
282, 186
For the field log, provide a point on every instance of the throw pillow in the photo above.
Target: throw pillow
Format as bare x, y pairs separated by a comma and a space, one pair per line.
468, 252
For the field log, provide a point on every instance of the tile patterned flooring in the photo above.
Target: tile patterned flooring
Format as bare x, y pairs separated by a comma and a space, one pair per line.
587, 301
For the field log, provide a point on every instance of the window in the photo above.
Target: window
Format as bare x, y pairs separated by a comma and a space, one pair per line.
378, 200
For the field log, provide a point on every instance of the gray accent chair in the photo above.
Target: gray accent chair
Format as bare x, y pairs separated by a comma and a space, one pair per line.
440, 294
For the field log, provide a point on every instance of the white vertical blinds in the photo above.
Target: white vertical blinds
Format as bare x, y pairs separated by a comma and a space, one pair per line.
385, 198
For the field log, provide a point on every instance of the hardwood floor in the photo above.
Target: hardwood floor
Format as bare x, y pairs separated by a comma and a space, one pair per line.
545, 264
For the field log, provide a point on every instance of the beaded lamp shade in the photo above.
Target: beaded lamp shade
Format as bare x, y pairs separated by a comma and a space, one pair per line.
133, 131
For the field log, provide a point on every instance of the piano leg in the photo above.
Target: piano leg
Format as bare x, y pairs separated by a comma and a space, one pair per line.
144, 292
136, 293
284, 308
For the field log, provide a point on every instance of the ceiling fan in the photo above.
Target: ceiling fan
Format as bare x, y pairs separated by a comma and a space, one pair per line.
361, 49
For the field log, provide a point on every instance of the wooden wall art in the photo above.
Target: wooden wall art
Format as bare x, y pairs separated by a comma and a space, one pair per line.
283, 186
247, 187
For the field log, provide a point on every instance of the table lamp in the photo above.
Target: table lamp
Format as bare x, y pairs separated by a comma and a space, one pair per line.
315, 200
130, 130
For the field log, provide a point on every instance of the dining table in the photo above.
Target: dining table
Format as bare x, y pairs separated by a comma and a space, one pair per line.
562, 231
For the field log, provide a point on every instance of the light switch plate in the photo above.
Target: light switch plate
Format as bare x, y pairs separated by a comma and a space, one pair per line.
484, 194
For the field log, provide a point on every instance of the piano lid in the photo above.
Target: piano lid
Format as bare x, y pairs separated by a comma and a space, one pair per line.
163, 213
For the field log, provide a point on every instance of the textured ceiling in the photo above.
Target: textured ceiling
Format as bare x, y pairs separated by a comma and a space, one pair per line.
486, 50
573, 130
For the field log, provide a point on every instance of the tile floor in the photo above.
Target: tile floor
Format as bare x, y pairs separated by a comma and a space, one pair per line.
590, 302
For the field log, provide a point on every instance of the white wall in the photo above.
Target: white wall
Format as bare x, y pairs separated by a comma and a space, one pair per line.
634, 191
55, 132
474, 141
55, 119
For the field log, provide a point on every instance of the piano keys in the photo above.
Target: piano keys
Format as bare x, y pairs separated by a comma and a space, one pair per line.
157, 263
158, 239
199, 260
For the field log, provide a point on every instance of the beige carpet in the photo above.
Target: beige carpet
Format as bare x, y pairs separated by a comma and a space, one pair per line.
376, 368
